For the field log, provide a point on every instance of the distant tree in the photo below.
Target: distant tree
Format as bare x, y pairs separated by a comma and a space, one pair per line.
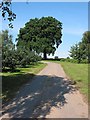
56, 57
75, 52
42, 35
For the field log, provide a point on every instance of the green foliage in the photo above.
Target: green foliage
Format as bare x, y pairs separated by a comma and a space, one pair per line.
7, 13
75, 53
80, 51
26, 57
11, 57
62, 59
72, 60
8, 51
41, 35
8, 59
84, 61
68, 60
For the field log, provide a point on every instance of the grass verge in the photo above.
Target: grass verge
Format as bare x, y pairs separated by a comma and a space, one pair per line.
12, 81
78, 73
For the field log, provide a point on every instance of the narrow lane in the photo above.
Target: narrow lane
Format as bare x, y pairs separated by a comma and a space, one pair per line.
49, 95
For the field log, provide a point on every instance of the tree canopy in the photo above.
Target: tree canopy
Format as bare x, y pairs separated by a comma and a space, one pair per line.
8, 50
11, 57
42, 35
81, 51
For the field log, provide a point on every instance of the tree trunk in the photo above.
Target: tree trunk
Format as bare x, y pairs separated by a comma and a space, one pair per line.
45, 55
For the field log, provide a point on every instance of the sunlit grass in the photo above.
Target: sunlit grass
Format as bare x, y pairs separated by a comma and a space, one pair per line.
77, 72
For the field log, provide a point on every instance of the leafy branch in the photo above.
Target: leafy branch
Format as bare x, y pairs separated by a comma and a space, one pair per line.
7, 13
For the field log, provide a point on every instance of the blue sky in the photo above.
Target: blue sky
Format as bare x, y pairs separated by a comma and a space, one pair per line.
73, 15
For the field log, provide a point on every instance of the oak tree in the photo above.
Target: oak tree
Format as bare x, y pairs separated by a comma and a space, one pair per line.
42, 35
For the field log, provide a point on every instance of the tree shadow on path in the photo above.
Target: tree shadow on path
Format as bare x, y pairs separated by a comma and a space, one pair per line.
36, 98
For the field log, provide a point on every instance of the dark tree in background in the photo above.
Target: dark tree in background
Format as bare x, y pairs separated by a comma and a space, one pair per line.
42, 35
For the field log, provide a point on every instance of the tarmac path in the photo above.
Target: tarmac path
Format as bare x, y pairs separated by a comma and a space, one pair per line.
49, 95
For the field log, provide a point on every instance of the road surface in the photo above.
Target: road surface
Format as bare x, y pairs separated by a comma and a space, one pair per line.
49, 95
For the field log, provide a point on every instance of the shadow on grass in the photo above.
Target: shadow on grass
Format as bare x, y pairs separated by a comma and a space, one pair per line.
12, 83
36, 98
33, 65
10, 70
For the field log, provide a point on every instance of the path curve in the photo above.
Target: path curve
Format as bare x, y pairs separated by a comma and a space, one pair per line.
49, 95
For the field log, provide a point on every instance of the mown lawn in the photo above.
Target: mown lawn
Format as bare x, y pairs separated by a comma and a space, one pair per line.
78, 73
12, 81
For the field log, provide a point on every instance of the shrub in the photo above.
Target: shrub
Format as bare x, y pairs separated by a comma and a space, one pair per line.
26, 57
62, 59
84, 61
8, 58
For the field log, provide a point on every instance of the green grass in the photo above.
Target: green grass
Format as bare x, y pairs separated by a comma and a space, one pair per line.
78, 73
12, 81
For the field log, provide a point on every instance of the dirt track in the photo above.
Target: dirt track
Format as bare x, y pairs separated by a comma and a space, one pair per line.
49, 95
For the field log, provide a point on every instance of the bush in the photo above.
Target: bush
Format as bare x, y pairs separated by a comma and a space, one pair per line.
26, 57
20, 57
63, 59
73, 60
8, 58
84, 61
11, 57
69, 60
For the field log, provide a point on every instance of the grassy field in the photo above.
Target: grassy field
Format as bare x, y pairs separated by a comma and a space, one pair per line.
12, 81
